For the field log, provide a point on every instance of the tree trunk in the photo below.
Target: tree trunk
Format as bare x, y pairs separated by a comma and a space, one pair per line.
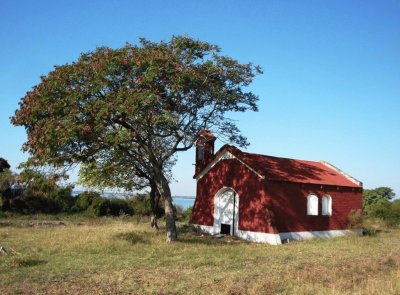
165, 192
172, 234
154, 202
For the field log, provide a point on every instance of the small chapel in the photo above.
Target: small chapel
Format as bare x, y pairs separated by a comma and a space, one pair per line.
270, 199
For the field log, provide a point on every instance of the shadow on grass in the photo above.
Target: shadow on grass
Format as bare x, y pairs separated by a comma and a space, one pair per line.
133, 238
189, 234
6, 224
27, 262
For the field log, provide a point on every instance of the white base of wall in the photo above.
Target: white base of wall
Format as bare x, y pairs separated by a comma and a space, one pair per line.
205, 228
304, 235
275, 239
252, 236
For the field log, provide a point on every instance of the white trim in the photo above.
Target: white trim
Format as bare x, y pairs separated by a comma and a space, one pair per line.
217, 219
275, 239
267, 238
326, 205
224, 155
258, 237
312, 204
205, 228
304, 235
347, 176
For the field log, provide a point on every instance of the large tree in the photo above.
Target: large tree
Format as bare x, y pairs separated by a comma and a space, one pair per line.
114, 169
373, 196
147, 101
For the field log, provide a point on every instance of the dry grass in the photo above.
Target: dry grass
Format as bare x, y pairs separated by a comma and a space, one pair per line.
105, 256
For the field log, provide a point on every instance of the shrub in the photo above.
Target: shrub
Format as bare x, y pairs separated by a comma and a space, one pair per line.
84, 200
185, 214
355, 219
119, 207
114, 207
388, 211
98, 207
41, 194
141, 205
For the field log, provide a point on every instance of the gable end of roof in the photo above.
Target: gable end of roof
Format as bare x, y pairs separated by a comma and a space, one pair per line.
347, 176
222, 155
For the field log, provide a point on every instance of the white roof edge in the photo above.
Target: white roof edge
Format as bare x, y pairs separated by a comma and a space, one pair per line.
347, 176
225, 155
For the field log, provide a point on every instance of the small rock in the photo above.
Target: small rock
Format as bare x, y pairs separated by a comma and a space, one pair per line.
3, 251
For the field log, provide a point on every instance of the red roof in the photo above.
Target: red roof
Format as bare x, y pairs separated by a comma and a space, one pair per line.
284, 169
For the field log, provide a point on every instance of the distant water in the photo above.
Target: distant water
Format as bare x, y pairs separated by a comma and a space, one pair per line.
184, 202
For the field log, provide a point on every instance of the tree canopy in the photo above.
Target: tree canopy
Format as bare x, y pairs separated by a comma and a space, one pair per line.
4, 165
373, 196
141, 104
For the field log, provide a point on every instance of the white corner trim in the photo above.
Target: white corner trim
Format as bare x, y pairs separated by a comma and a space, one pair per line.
223, 156
351, 178
305, 235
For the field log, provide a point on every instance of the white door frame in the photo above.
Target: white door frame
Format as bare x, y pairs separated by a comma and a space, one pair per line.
217, 211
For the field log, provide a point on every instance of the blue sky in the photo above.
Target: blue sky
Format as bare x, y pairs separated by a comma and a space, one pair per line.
331, 83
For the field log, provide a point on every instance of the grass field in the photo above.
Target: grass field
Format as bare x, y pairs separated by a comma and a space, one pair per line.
125, 256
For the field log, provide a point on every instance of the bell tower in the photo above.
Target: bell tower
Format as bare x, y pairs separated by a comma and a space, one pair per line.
204, 148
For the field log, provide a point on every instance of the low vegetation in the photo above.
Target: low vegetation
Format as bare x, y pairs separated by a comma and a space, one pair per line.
79, 255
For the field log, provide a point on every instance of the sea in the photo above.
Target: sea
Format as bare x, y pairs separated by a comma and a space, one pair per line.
183, 201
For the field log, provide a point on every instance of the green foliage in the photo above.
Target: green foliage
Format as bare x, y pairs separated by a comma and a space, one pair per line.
94, 205
372, 196
139, 104
125, 113
184, 215
388, 211
7, 178
41, 194
355, 219
84, 200
106, 207
141, 205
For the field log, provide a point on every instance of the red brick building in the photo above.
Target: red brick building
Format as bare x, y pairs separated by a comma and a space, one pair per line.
269, 199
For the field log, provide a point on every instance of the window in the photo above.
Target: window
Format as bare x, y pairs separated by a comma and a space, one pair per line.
326, 205
200, 153
312, 205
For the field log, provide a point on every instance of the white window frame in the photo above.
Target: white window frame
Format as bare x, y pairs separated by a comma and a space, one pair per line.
327, 205
312, 205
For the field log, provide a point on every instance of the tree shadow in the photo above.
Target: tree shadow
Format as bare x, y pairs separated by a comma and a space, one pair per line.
133, 238
6, 224
188, 234
27, 262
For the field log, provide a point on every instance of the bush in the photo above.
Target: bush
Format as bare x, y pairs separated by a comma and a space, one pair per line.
185, 214
84, 200
41, 194
114, 207
388, 211
98, 207
355, 219
119, 207
141, 205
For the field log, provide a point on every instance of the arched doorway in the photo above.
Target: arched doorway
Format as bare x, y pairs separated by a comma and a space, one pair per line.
226, 209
